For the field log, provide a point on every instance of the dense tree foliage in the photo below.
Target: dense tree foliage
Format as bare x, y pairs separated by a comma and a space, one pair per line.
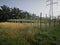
14, 13
4, 13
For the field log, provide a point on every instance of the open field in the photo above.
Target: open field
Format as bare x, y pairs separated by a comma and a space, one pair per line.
19, 31
28, 34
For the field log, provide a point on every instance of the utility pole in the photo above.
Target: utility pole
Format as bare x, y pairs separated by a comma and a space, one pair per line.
46, 20
41, 21
51, 9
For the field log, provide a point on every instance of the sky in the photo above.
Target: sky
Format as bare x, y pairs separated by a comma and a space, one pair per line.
33, 6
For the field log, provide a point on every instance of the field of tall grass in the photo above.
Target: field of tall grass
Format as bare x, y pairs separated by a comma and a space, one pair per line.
28, 34
17, 33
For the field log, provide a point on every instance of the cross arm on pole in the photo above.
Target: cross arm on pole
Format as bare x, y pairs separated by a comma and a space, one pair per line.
52, 3
48, 0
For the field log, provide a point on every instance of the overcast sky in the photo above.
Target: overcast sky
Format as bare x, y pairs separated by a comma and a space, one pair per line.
32, 6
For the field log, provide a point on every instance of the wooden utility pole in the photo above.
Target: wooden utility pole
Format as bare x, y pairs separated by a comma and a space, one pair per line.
46, 20
41, 21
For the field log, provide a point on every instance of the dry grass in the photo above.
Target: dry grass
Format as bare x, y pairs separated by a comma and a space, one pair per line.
26, 31
18, 25
14, 29
12, 25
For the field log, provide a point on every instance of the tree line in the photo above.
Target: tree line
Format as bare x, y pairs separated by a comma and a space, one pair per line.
14, 13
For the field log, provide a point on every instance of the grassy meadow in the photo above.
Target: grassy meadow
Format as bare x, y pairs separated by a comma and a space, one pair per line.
17, 33
28, 34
